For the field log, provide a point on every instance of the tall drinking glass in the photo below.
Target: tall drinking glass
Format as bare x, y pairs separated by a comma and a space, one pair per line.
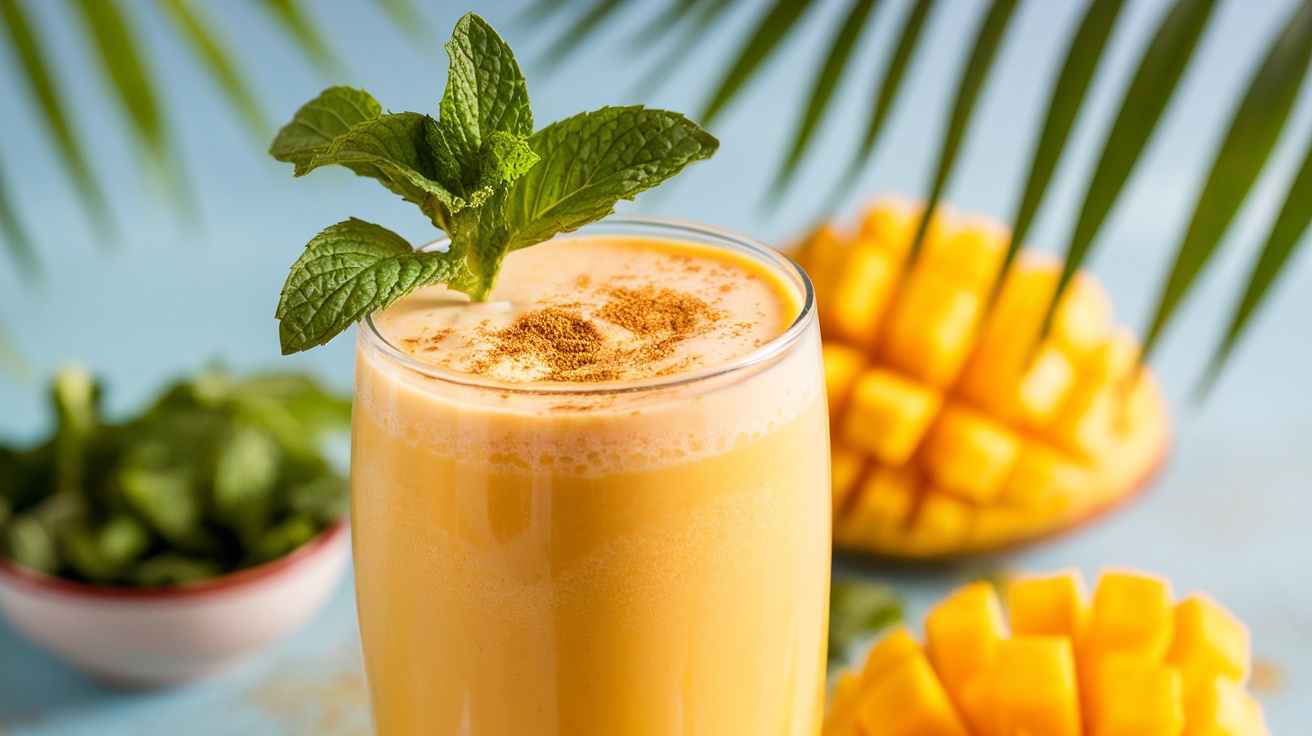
601, 559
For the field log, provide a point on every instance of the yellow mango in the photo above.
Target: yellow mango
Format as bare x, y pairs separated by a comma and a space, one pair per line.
1032, 688
970, 455
888, 415
1050, 605
1137, 696
1208, 642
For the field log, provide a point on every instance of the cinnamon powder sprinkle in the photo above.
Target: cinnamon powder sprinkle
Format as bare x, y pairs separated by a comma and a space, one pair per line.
576, 348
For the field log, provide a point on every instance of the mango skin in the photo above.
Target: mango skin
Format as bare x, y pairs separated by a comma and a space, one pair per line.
1131, 662
954, 429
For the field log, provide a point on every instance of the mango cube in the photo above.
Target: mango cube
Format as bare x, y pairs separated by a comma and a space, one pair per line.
889, 415
1137, 697
1051, 605
932, 328
940, 525
969, 454
962, 634
908, 700
1209, 641
1222, 708
842, 364
1032, 688
861, 292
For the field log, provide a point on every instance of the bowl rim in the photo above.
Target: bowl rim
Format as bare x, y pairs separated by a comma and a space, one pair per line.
17, 576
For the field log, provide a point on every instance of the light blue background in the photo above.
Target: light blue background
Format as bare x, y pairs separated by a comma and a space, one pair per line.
1232, 515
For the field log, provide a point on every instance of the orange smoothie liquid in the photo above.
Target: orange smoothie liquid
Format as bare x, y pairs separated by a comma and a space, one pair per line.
629, 536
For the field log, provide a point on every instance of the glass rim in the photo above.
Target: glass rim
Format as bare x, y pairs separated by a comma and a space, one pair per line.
778, 346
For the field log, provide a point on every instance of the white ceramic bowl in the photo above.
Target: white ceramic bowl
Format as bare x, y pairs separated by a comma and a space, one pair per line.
141, 637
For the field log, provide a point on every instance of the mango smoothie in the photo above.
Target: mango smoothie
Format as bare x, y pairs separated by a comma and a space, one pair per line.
598, 503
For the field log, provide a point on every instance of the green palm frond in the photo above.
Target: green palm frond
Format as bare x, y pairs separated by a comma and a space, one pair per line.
973, 75
14, 236
840, 49
116, 40
1068, 95
1253, 132
774, 27
908, 42
298, 25
32, 57
1287, 235
1152, 87
206, 43
1257, 121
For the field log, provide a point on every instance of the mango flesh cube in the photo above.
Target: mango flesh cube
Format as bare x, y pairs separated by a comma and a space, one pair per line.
846, 468
1051, 605
842, 364
941, 524
971, 253
1043, 385
909, 700
1083, 319
1042, 478
892, 650
969, 454
861, 291
1222, 708
1137, 697
962, 634
888, 415
1133, 613
931, 328
1032, 688
1209, 641
839, 715
880, 511
891, 224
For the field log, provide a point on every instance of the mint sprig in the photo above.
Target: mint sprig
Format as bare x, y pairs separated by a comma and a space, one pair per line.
479, 172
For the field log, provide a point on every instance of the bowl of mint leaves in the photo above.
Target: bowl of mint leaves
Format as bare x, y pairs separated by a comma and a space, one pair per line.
175, 543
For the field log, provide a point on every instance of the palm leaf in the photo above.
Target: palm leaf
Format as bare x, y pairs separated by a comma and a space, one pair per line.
207, 45
14, 236
18, 26
539, 11
826, 81
1151, 88
122, 63
1253, 132
403, 13
908, 41
675, 13
1286, 236
1068, 95
693, 33
10, 358
972, 79
291, 16
573, 37
764, 41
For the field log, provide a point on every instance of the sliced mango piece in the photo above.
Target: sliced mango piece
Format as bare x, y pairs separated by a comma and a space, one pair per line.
1049, 605
889, 415
1032, 688
1138, 697
1209, 641
908, 700
970, 455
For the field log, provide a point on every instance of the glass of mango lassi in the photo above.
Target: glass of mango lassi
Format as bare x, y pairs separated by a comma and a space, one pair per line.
598, 503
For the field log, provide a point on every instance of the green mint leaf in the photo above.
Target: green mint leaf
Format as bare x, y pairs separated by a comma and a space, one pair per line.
505, 159
171, 568
283, 538
166, 498
348, 271
485, 94
593, 160
245, 477
103, 553
393, 149
321, 121
857, 611
30, 544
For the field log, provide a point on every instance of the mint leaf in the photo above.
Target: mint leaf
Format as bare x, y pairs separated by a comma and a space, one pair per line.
320, 121
245, 476
166, 497
478, 172
348, 271
103, 553
171, 568
594, 159
283, 538
485, 94
394, 150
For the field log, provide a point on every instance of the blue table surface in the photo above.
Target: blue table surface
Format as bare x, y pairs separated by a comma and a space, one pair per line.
1232, 514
